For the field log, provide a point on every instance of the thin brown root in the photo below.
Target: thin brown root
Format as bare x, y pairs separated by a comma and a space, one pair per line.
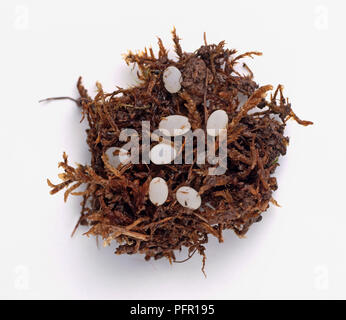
60, 98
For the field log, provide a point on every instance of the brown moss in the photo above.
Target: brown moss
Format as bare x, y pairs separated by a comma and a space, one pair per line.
115, 201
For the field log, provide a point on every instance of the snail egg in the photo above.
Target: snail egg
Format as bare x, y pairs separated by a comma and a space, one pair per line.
162, 153
121, 156
217, 121
188, 198
175, 125
172, 79
158, 191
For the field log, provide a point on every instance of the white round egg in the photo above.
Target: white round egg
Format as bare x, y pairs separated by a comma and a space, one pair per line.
217, 121
172, 79
188, 198
121, 156
158, 191
162, 153
174, 125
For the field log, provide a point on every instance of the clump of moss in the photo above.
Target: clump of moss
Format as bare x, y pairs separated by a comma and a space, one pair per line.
115, 202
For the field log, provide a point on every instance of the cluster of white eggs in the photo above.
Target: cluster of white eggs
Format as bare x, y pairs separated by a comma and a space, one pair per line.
165, 153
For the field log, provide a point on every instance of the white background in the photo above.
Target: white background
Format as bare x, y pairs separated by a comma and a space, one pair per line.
297, 251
